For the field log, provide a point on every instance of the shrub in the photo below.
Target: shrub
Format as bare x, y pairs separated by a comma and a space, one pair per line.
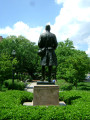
78, 104
83, 86
63, 85
11, 108
18, 85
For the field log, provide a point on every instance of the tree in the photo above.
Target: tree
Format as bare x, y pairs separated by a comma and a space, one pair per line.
6, 64
26, 53
72, 63
89, 65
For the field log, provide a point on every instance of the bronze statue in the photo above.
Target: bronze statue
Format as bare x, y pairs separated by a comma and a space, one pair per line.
47, 44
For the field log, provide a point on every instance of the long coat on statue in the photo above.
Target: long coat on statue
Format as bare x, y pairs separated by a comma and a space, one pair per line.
48, 40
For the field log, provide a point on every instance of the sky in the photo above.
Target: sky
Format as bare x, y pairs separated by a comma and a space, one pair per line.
68, 19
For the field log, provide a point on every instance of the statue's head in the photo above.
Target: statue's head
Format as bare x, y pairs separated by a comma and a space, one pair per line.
47, 28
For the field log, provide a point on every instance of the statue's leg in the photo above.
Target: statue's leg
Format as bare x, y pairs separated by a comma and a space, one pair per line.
43, 73
55, 72
49, 71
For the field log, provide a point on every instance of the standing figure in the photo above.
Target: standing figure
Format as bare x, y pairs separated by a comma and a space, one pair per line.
48, 42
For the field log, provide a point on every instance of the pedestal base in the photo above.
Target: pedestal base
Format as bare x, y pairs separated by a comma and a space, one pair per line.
45, 83
46, 95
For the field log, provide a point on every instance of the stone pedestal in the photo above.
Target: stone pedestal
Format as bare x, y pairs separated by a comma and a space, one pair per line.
46, 95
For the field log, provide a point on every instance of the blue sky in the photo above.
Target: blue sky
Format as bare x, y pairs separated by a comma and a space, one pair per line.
33, 12
68, 19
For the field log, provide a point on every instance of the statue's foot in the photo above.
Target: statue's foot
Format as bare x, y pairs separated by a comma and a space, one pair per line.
42, 79
49, 80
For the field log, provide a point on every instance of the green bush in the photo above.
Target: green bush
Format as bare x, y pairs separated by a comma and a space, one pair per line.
83, 86
18, 85
63, 85
78, 104
77, 108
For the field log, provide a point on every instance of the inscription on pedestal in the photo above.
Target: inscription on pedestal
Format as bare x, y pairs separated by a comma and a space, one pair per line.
46, 95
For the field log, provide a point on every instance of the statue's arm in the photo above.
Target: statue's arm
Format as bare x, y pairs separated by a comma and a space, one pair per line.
55, 42
39, 42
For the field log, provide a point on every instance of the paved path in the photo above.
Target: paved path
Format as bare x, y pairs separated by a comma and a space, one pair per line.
29, 87
88, 80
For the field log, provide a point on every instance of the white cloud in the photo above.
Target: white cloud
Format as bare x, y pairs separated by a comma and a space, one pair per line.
59, 1
21, 28
74, 22
88, 51
87, 40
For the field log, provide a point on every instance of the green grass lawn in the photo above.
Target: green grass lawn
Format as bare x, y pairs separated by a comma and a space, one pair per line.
77, 108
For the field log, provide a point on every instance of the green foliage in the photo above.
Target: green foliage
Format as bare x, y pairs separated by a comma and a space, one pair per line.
65, 86
77, 108
27, 77
23, 77
72, 64
6, 66
18, 85
89, 65
83, 86
79, 104
26, 53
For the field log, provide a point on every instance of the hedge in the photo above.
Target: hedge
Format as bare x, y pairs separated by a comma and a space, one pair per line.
18, 85
77, 108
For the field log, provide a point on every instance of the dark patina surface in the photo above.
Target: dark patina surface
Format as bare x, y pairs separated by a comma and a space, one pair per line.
48, 41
